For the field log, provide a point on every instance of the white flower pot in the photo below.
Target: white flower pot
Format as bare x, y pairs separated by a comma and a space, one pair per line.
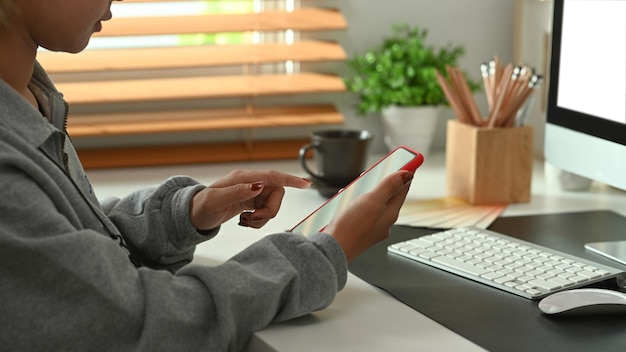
410, 126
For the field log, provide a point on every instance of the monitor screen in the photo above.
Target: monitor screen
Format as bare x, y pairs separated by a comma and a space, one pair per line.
586, 113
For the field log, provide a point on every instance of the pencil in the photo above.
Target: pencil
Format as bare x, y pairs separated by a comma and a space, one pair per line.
484, 68
513, 108
502, 90
470, 103
452, 98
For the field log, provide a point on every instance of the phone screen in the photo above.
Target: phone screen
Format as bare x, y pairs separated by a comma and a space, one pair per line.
398, 159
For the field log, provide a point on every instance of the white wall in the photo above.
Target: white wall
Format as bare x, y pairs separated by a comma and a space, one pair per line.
485, 27
534, 49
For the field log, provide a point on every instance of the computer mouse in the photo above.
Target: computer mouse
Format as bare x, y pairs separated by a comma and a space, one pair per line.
579, 299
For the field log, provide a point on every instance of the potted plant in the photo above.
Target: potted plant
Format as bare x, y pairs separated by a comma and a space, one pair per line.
398, 79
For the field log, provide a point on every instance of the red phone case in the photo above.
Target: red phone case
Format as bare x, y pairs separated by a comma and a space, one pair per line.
411, 165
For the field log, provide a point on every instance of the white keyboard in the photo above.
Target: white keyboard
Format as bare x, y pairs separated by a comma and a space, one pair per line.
503, 262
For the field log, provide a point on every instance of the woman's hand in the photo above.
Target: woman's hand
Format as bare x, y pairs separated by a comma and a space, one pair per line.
368, 219
255, 195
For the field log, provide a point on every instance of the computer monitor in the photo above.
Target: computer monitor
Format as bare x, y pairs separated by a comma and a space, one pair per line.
586, 114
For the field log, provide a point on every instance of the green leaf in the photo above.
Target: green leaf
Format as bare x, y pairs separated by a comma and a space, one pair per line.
402, 71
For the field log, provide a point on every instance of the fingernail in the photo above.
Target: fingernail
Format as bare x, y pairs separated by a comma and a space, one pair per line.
256, 186
407, 177
256, 218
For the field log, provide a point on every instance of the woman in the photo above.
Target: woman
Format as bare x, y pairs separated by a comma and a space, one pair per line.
82, 275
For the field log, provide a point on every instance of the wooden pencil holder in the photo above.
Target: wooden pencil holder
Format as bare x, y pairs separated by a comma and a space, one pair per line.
489, 165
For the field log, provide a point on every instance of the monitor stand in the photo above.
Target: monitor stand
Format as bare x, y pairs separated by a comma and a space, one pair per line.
614, 250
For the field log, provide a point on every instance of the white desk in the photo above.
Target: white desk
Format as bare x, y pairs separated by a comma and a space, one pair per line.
362, 317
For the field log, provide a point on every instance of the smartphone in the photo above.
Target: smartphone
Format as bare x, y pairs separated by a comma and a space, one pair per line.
401, 158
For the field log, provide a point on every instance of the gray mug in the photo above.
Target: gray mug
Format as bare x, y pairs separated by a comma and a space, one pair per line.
340, 156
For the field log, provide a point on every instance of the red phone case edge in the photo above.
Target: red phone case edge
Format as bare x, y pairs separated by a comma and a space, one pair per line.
412, 165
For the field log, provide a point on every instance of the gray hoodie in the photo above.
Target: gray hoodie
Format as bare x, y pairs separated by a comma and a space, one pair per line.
77, 275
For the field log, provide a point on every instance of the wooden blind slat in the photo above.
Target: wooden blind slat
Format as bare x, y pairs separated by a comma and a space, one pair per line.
309, 19
129, 1
131, 79
200, 120
186, 57
189, 88
98, 158
174, 1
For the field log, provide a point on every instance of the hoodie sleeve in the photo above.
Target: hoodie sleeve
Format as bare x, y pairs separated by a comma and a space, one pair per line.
67, 288
155, 221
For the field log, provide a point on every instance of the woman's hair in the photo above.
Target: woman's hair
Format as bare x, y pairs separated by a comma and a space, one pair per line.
5, 8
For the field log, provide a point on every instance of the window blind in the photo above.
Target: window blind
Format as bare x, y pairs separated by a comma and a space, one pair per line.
207, 70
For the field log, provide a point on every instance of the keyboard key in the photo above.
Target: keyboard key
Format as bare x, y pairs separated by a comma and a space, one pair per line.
589, 274
428, 254
561, 281
459, 265
546, 285
491, 275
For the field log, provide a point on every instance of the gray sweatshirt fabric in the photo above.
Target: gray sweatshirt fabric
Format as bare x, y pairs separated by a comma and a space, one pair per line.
78, 275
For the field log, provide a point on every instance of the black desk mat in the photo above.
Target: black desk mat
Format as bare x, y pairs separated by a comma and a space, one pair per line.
498, 320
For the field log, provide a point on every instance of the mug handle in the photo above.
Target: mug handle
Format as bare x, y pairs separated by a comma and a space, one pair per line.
302, 157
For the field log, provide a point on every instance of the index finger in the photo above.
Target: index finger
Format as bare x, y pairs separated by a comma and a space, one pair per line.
267, 177
287, 180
